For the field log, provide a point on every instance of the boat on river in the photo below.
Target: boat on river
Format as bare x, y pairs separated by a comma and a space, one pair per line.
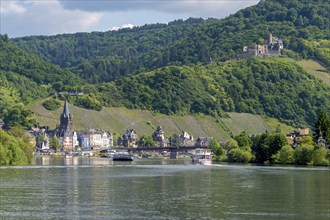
122, 156
202, 156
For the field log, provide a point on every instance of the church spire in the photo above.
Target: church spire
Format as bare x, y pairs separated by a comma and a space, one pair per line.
66, 112
64, 131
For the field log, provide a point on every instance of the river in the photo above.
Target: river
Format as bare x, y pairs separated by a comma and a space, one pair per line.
95, 188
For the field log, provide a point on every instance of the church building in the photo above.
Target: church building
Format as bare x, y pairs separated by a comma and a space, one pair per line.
64, 131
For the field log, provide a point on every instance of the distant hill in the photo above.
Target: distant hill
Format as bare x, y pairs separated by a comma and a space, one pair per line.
104, 56
118, 120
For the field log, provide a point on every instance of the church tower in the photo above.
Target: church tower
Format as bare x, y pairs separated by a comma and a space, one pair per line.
64, 131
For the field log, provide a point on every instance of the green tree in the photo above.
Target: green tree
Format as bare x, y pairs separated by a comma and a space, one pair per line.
55, 143
322, 126
260, 148
284, 155
305, 140
15, 148
275, 142
303, 154
216, 149
146, 141
320, 155
231, 144
26, 142
243, 140
239, 155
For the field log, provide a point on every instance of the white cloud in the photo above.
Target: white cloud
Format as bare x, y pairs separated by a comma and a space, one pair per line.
11, 7
44, 18
123, 26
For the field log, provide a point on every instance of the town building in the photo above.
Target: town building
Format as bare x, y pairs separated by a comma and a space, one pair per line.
96, 139
186, 139
297, 134
203, 141
128, 139
83, 140
159, 137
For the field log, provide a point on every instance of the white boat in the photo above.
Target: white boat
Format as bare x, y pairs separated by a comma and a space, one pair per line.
202, 156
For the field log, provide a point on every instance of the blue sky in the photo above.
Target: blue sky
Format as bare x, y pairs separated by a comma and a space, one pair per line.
50, 17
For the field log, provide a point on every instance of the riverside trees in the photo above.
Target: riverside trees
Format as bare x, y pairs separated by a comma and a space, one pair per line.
15, 147
270, 148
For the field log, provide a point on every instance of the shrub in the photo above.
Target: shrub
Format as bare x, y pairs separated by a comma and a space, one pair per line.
51, 104
284, 155
239, 155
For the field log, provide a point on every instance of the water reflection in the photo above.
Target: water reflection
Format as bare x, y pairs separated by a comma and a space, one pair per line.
90, 188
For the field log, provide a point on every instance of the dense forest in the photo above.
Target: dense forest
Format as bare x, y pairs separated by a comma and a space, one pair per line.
23, 79
104, 56
273, 87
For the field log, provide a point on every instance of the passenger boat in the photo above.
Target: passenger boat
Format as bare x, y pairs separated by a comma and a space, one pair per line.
202, 156
110, 153
122, 156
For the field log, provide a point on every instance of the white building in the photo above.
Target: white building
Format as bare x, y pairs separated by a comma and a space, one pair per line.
99, 139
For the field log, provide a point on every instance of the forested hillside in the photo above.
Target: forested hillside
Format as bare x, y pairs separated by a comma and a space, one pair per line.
273, 87
104, 56
25, 78
99, 57
165, 67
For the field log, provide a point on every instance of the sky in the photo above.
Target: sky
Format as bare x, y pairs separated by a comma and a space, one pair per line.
50, 17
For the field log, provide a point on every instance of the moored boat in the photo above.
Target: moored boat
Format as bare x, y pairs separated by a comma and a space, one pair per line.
122, 156
202, 156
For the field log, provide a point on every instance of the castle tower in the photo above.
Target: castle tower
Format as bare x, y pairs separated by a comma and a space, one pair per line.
270, 40
64, 131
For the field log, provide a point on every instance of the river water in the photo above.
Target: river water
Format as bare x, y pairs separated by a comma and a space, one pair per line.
94, 188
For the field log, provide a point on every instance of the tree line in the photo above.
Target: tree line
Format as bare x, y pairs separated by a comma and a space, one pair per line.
271, 148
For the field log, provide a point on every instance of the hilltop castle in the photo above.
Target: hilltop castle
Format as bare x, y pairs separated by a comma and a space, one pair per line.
272, 47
